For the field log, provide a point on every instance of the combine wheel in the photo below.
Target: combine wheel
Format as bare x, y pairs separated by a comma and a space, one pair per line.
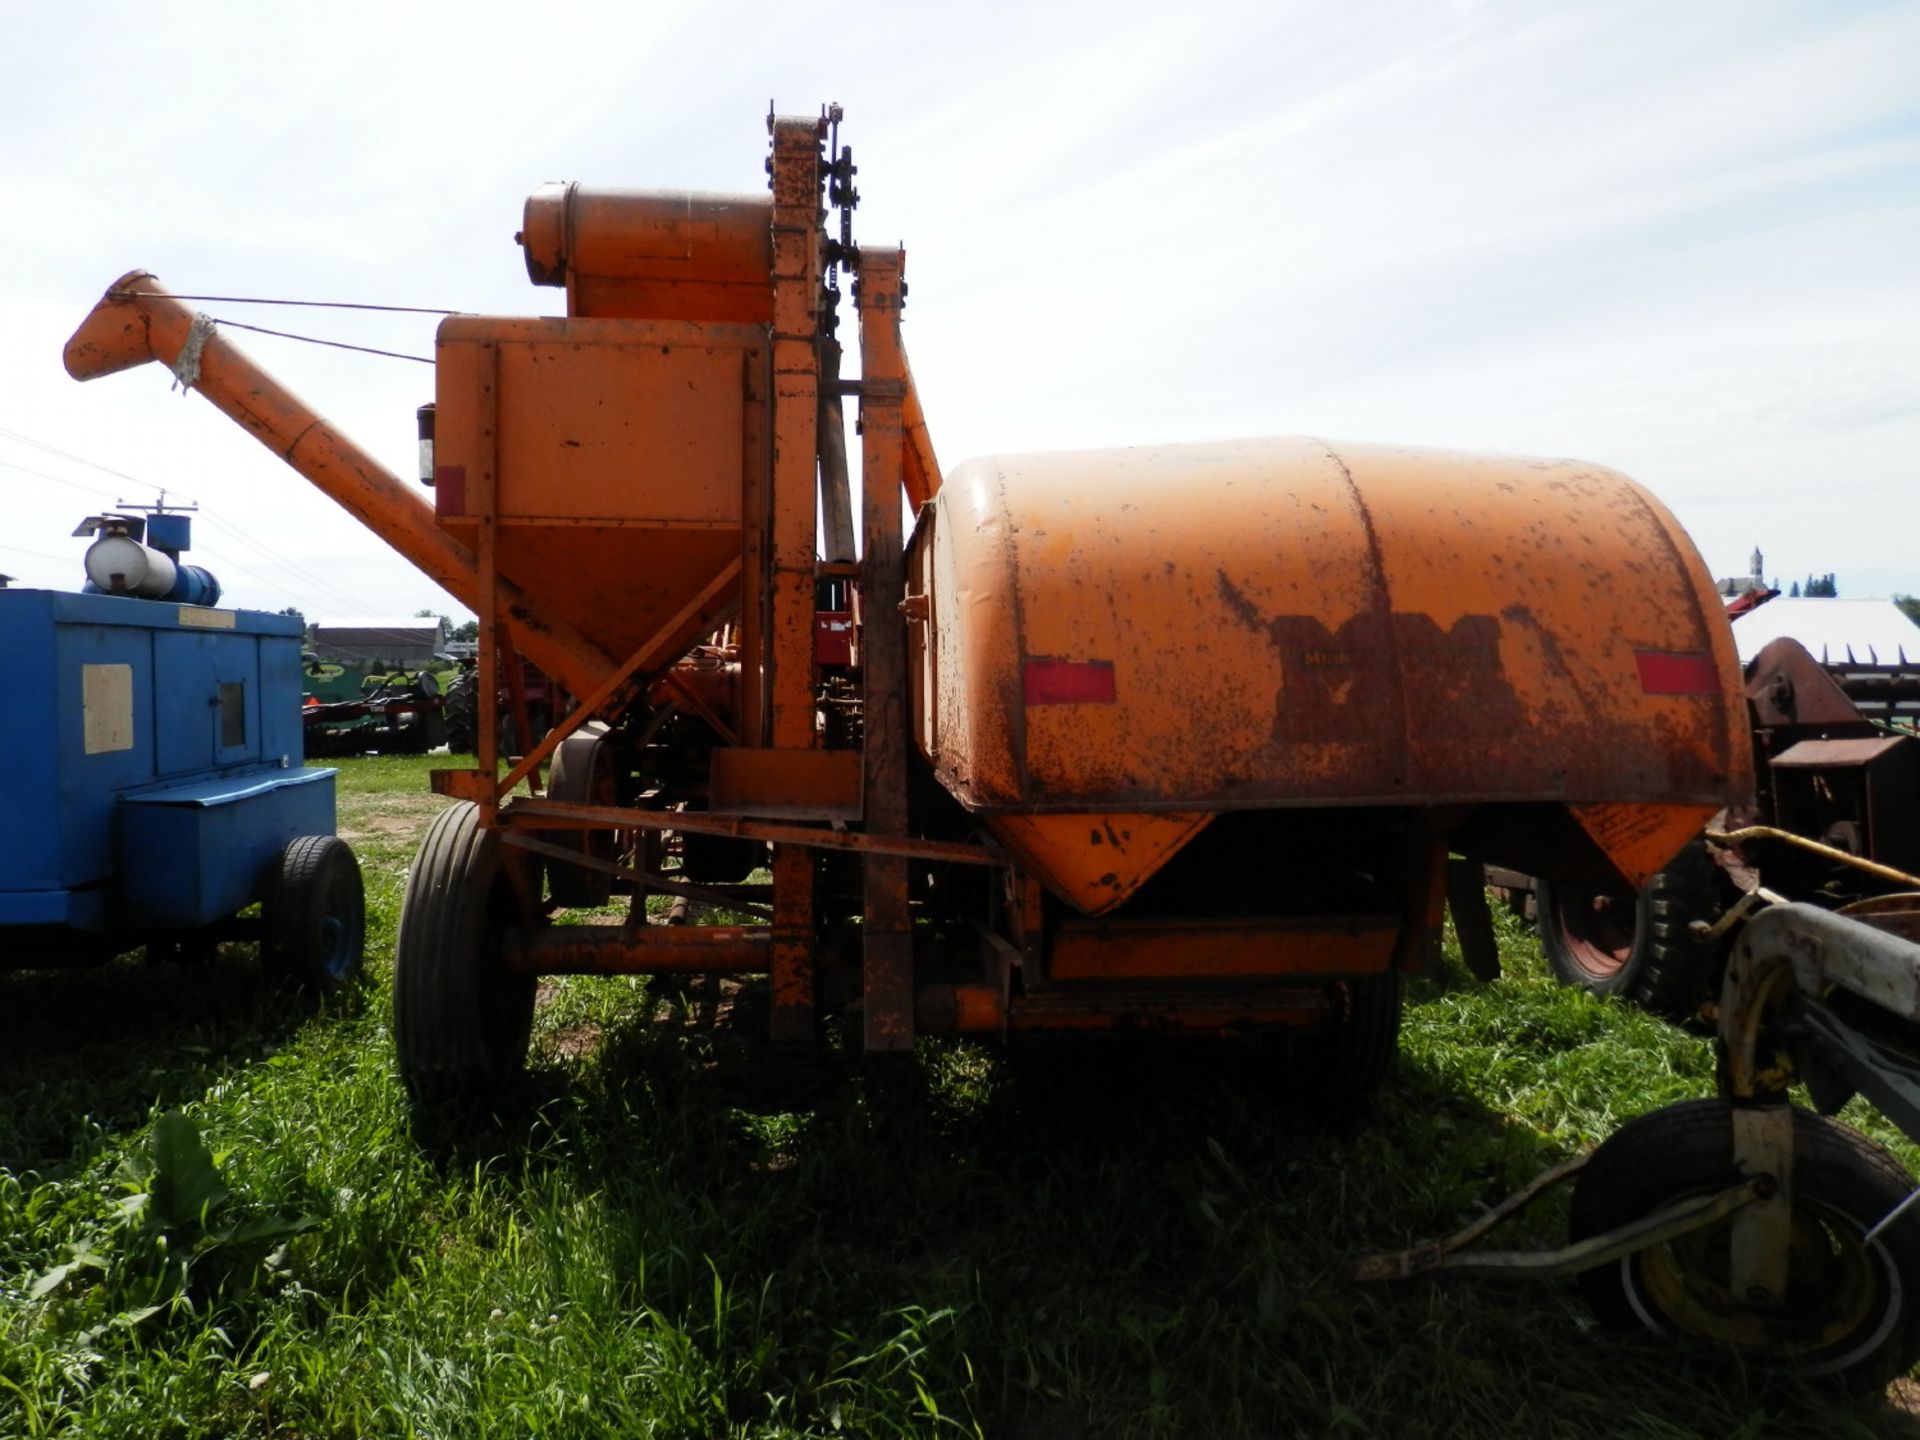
1337, 1066
461, 712
1852, 1311
427, 727
582, 774
460, 1019
315, 915
1636, 946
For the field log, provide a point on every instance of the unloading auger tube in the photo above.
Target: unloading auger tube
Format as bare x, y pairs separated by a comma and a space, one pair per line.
1195, 728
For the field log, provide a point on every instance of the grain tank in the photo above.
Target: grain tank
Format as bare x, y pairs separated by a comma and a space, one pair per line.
1161, 738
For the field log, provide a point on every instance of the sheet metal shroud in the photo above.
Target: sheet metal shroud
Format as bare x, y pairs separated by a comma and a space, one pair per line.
1117, 645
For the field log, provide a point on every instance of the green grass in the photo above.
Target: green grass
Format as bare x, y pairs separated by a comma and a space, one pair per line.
688, 1234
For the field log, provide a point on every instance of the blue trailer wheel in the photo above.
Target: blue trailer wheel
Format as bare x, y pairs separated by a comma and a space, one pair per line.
315, 913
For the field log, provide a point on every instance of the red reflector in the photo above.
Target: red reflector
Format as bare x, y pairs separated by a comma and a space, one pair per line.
1068, 682
1677, 672
450, 489
833, 637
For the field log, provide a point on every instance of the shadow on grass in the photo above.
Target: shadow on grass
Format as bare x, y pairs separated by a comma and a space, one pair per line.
87, 1051
1115, 1237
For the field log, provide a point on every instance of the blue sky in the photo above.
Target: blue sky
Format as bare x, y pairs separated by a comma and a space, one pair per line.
1678, 240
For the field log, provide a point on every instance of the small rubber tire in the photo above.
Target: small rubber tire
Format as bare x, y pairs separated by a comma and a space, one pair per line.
582, 774
315, 915
1852, 1312
461, 714
461, 1020
1636, 947
1336, 1067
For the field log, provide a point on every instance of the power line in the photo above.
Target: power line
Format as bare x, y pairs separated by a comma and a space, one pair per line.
351, 605
90, 490
76, 459
338, 595
37, 554
70, 484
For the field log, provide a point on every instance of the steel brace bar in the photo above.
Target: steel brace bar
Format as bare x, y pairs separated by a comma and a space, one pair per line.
556, 814
1444, 1256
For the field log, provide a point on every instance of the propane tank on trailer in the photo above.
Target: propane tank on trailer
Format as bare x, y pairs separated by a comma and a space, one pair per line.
120, 562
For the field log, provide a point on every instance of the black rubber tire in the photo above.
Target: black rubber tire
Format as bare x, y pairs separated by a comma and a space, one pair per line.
1336, 1067
461, 713
582, 775
315, 915
1637, 947
411, 735
461, 1020
720, 859
1856, 1309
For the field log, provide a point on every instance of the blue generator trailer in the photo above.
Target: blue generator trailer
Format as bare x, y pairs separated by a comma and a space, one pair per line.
155, 784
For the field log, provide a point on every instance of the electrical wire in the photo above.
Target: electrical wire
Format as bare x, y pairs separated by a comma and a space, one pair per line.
316, 340
305, 304
308, 305
36, 554
351, 605
55, 479
212, 518
272, 586
76, 459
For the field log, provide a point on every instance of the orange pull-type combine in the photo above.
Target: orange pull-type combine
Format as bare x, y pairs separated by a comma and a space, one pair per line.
1170, 737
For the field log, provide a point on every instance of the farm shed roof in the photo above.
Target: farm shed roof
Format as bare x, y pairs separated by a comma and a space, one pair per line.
1835, 632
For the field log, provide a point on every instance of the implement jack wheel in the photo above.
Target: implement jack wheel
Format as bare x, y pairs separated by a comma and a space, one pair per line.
461, 1020
1850, 1311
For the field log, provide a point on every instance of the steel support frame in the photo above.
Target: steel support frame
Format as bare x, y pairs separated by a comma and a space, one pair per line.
484, 498
886, 964
1785, 955
798, 254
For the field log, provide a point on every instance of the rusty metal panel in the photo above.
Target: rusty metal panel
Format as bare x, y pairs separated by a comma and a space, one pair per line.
623, 450
1215, 949
1640, 838
1096, 859
1835, 754
602, 422
475, 785
669, 254
1786, 686
1289, 622
1856, 793
786, 784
